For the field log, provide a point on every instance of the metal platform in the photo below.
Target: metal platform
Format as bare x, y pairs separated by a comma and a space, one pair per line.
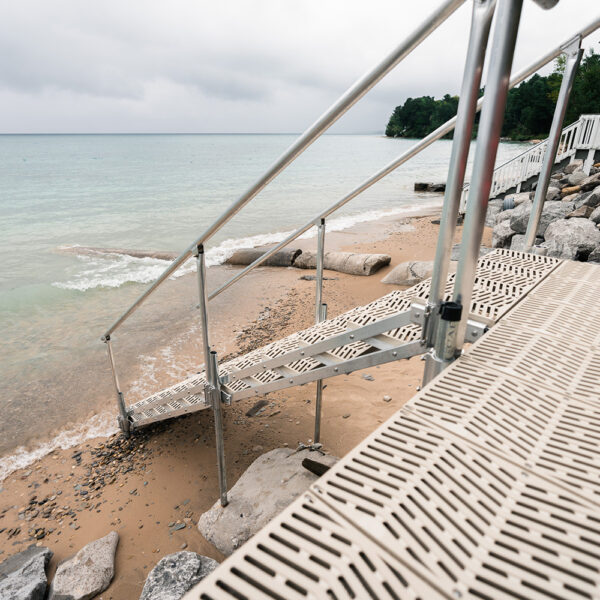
485, 485
379, 332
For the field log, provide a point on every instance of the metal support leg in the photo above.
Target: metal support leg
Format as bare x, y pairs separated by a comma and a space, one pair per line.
573, 54
123, 418
319, 397
212, 391
505, 35
320, 315
483, 11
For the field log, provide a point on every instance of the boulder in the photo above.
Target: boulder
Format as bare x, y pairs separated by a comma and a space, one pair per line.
576, 177
175, 574
568, 191
589, 198
595, 216
553, 193
344, 262
412, 272
595, 256
504, 215
517, 242
268, 486
571, 238
501, 234
583, 211
494, 208
23, 575
245, 256
589, 183
551, 212
88, 573
570, 198
520, 197
574, 165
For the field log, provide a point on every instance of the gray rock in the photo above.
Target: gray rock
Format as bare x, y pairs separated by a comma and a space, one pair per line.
23, 575
88, 573
551, 212
505, 215
576, 164
175, 574
412, 272
553, 193
520, 197
456, 253
520, 217
344, 262
589, 198
589, 183
501, 234
570, 198
571, 238
517, 242
576, 178
595, 256
583, 211
494, 208
268, 486
595, 216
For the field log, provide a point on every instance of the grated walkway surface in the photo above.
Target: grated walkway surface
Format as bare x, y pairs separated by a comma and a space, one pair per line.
485, 485
382, 330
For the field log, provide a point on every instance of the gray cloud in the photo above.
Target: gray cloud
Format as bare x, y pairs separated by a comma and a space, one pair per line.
264, 65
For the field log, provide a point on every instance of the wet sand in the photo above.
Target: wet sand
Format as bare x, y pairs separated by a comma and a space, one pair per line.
152, 488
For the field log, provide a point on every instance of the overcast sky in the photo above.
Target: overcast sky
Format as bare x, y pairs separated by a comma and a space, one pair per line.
233, 65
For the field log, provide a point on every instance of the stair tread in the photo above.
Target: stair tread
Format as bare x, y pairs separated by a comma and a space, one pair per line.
503, 277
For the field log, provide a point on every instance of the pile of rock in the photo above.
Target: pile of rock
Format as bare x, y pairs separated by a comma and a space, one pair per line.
570, 222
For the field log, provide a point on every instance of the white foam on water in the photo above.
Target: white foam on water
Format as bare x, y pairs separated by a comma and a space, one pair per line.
98, 426
113, 270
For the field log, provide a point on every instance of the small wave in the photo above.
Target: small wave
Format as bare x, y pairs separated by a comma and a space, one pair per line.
112, 268
103, 425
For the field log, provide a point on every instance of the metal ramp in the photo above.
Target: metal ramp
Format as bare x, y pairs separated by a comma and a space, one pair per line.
380, 332
485, 485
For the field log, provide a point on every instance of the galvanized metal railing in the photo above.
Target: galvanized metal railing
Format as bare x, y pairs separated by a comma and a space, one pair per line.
482, 14
583, 134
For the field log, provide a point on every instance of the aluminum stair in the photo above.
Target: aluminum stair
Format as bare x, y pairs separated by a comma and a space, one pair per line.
377, 333
486, 484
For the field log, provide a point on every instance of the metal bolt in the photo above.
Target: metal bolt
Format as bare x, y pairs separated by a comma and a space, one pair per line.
351, 336
335, 369
457, 593
394, 354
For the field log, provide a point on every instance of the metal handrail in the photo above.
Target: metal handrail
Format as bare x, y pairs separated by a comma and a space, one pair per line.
343, 104
435, 135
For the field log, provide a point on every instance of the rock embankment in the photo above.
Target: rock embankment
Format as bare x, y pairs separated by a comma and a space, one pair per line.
570, 223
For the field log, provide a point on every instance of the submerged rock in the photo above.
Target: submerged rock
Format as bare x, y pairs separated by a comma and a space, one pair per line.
268, 486
23, 576
175, 574
87, 573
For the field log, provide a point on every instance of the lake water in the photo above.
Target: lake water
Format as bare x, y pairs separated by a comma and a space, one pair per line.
147, 192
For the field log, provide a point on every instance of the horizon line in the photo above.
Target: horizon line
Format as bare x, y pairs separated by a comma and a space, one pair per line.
185, 133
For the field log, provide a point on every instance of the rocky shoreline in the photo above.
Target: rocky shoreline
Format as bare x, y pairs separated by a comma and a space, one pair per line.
570, 223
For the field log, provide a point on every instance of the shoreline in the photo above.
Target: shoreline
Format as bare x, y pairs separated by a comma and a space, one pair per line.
101, 485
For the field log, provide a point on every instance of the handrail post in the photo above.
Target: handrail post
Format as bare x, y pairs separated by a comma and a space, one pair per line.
212, 391
573, 53
320, 315
123, 418
483, 11
450, 337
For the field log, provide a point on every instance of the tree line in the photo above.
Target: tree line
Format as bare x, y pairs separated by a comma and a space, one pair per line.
529, 106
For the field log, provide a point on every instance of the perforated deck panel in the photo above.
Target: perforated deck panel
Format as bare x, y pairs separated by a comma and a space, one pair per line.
485, 485
503, 277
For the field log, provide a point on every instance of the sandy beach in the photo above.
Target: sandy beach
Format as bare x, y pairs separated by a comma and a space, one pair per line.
152, 488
